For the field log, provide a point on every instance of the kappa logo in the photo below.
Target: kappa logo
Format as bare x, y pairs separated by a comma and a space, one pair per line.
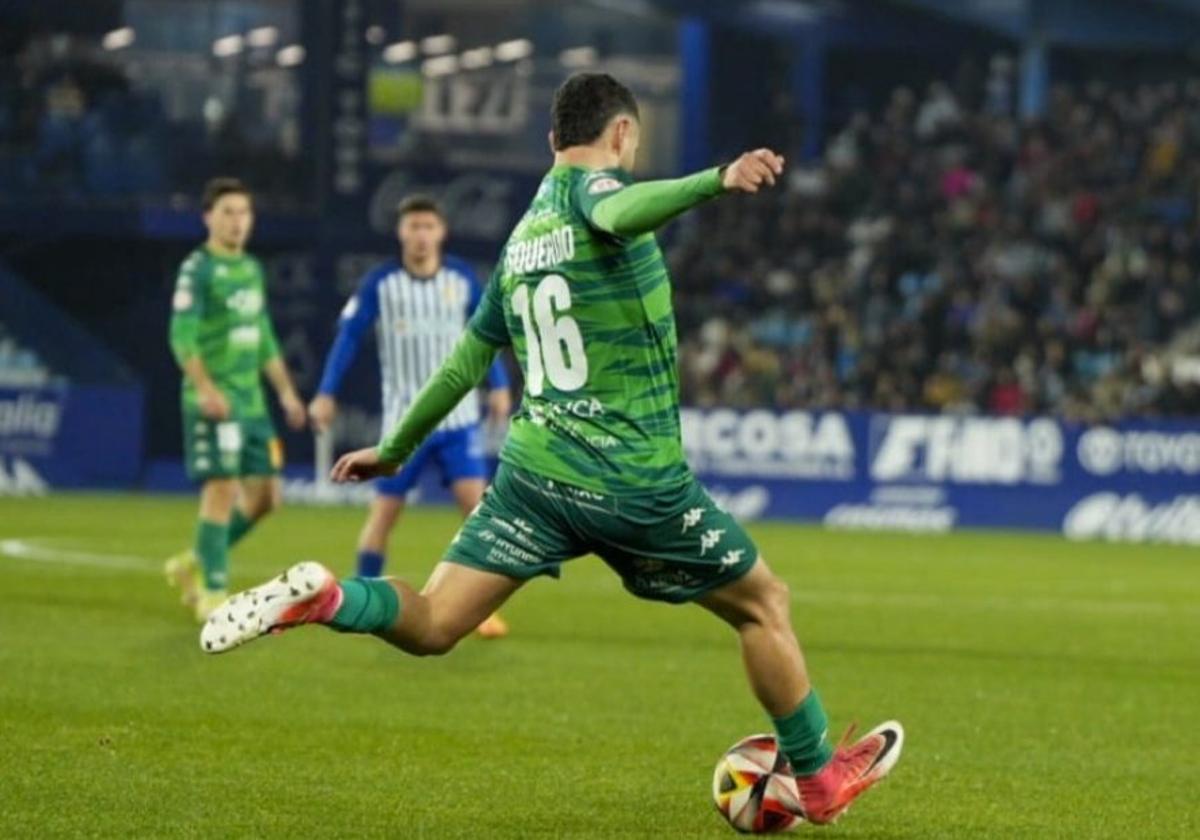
692, 518
732, 558
182, 300
710, 538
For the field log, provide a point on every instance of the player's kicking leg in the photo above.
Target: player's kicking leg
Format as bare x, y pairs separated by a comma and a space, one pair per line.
758, 606
430, 622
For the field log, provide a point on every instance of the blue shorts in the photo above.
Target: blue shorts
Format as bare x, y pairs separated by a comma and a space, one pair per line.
458, 454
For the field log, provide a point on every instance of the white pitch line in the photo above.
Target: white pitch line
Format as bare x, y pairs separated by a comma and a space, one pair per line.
36, 550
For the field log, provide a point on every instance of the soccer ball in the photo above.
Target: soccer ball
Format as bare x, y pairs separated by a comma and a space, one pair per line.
753, 787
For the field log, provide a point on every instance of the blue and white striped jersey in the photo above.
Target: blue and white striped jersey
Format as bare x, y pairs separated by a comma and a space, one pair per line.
417, 322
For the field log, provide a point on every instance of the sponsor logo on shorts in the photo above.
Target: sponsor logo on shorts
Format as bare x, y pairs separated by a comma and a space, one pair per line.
670, 582
507, 554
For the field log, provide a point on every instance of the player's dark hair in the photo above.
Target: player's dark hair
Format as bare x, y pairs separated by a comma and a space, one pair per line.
583, 106
218, 188
419, 203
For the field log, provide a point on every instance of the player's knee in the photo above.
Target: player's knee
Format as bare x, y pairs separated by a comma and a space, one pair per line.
265, 500
219, 495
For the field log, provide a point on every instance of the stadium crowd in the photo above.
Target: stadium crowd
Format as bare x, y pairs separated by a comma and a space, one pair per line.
945, 256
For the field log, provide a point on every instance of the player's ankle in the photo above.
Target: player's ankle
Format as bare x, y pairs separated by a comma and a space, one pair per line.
364, 605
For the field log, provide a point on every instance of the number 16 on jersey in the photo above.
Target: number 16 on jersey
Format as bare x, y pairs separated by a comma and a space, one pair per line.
554, 344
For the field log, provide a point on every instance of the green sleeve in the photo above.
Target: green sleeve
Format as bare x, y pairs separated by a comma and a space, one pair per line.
187, 309
461, 373
611, 204
268, 344
487, 322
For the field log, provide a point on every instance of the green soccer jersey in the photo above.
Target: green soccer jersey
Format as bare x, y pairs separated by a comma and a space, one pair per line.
220, 315
588, 314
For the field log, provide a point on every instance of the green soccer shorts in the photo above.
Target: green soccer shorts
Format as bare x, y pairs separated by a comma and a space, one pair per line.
230, 448
672, 545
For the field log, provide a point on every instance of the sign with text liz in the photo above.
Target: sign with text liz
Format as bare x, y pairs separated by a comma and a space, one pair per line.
71, 436
1135, 481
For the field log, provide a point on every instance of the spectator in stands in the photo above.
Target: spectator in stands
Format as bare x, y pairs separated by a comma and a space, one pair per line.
948, 258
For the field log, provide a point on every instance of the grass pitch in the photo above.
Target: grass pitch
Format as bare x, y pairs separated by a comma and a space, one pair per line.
1048, 689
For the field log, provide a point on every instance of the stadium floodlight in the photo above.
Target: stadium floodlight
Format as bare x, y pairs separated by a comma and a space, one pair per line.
263, 36
437, 44
442, 65
228, 46
399, 52
476, 58
290, 56
118, 39
375, 34
578, 57
514, 50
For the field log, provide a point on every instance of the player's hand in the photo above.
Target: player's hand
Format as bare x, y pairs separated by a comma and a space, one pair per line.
753, 170
499, 405
293, 410
361, 465
213, 404
322, 411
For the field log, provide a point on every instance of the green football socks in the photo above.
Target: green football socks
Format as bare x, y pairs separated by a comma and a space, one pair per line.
239, 526
802, 736
369, 605
212, 542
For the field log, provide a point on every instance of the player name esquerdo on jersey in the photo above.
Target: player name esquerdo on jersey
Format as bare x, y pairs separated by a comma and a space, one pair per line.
589, 316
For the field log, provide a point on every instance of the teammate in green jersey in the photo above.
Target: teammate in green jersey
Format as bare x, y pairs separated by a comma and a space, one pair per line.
222, 337
593, 462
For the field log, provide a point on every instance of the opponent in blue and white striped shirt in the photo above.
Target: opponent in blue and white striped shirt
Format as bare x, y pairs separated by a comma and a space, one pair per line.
419, 306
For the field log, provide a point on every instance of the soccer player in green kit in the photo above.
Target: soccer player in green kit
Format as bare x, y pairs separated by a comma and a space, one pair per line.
222, 337
593, 462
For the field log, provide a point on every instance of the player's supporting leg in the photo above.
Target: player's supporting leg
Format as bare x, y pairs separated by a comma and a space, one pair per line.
217, 498
383, 515
468, 492
758, 606
260, 496
430, 622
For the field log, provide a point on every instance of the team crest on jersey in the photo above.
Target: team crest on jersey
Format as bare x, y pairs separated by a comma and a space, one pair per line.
603, 185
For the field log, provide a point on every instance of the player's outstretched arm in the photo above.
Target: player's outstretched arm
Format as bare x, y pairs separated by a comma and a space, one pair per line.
641, 208
463, 370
